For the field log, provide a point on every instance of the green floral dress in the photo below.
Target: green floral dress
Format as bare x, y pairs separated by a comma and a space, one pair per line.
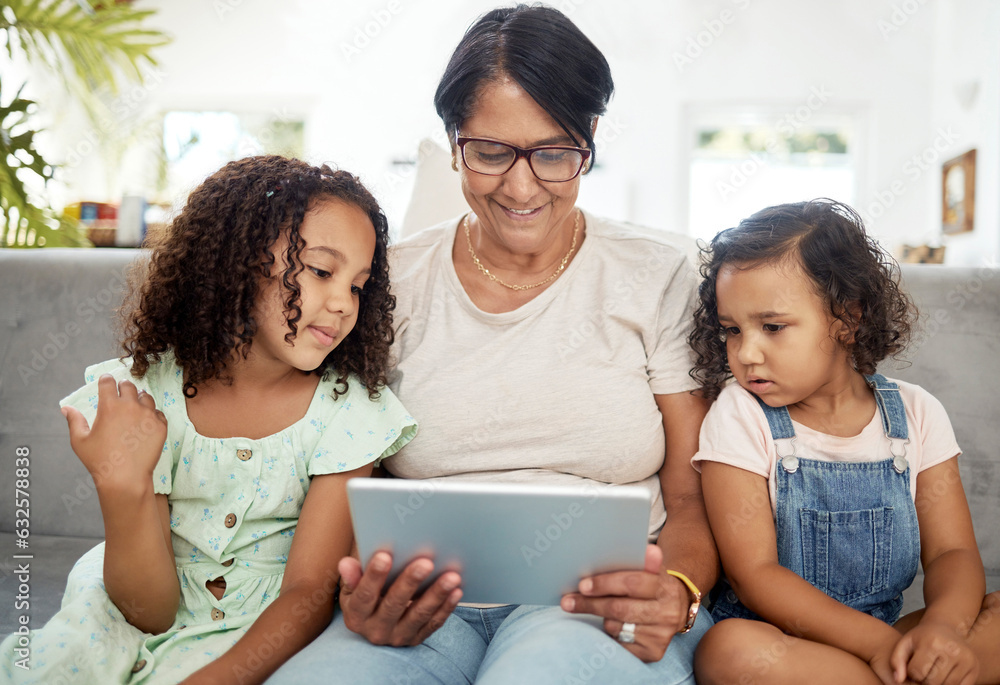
234, 504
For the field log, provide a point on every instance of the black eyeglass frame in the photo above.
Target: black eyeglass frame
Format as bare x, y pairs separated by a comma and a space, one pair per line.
520, 152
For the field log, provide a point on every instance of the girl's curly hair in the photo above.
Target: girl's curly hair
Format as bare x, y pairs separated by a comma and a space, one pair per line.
858, 280
196, 294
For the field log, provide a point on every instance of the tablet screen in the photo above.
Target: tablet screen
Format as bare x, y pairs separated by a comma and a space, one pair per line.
512, 544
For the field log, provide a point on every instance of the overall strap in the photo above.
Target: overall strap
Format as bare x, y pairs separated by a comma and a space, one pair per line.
893, 413
780, 423
890, 406
778, 420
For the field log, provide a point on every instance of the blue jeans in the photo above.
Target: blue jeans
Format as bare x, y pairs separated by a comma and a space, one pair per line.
503, 645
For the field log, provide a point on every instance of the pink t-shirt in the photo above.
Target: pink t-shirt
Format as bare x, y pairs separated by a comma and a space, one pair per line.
735, 432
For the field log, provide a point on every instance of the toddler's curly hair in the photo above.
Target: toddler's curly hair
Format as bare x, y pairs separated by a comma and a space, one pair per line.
196, 294
851, 272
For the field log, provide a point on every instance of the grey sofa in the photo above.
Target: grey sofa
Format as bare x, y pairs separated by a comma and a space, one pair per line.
56, 311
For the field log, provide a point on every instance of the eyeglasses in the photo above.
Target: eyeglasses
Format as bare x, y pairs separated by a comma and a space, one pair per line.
551, 163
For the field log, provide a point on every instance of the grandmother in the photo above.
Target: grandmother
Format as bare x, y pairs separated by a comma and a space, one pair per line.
529, 354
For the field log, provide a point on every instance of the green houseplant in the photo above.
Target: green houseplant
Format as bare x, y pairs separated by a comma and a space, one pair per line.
95, 48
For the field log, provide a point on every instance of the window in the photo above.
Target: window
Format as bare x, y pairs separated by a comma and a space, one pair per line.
196, 144
744, 159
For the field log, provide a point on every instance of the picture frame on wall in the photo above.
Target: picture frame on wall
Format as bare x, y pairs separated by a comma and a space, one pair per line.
958, 193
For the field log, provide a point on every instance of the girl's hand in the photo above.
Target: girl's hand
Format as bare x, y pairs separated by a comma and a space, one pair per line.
200, 677
655, 602
125, 442
396, 618
934, 653
882, 665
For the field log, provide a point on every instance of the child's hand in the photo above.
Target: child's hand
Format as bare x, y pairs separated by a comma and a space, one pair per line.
934, 653
881, 663
125, 442
202, 676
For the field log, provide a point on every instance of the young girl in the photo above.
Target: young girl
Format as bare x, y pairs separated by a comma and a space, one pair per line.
825, 482
256, 351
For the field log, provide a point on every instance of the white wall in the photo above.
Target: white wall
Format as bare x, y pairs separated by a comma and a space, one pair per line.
363, 74
780, 53
966, 99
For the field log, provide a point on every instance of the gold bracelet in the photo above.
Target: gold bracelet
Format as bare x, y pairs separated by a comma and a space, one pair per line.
695, 600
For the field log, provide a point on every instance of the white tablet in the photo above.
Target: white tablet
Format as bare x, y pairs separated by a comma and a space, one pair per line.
512, 544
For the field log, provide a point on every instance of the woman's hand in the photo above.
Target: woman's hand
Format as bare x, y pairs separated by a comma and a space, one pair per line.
395, 618
934, 653
655, 602
125, 442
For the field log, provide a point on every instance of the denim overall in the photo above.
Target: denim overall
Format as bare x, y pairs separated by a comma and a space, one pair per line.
850, 529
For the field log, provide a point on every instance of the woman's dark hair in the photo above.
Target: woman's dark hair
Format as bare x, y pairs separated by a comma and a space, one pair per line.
197, 293
858, 280
540, 49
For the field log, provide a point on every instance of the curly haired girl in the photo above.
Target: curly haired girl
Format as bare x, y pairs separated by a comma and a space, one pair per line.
825, 482
252, 388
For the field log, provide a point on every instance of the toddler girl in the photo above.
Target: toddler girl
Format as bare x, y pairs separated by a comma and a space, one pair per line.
252, 388
827, 483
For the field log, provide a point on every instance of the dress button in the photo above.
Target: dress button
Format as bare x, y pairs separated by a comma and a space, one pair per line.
899, 463
243, 455
731, 597
228, 562
218, 614
139, 665
230, 520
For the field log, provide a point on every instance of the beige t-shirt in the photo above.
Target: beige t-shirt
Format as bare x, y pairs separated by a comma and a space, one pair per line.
558, 391
736, 432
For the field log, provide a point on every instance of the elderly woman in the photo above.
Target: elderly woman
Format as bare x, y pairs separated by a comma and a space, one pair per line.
536, 343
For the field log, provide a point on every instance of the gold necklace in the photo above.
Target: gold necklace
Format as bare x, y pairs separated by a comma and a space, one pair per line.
493, 277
